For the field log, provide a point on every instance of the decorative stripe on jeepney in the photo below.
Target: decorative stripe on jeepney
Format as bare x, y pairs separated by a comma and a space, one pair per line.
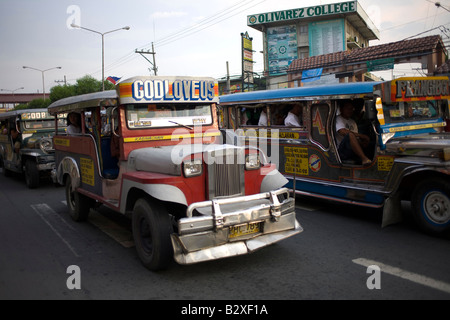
380, 115
172, 137
417, 127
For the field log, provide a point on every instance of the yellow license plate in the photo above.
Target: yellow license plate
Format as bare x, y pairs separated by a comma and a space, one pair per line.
245, 229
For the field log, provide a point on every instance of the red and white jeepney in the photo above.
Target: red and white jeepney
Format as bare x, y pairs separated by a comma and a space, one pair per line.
153, 151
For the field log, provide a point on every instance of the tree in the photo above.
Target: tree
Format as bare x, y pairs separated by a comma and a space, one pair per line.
34, 104
88, 84
60, 92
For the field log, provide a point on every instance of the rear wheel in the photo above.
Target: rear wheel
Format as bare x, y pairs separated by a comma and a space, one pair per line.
31, 174
431, 205
79, 205
151, 232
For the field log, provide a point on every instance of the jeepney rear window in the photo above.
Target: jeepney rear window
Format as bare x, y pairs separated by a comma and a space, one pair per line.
412, 111
143, 116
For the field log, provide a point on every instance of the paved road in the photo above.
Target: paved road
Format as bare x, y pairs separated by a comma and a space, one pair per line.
329, 260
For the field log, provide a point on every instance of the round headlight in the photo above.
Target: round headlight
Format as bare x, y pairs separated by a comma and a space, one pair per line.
252, 161
46, 145
192, 168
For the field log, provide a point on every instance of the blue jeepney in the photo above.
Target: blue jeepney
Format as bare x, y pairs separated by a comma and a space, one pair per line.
408, 148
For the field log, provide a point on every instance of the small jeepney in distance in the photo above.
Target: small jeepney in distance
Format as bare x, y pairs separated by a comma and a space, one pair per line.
405, 120
152, 150
26, 143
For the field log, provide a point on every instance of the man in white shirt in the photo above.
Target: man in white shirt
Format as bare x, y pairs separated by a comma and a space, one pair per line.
293, 117
263, 118
350, 142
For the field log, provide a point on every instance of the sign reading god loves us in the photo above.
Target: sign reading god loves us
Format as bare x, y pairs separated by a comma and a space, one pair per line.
168, 89
316, 11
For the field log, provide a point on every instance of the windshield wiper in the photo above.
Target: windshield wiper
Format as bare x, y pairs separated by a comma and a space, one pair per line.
180, 124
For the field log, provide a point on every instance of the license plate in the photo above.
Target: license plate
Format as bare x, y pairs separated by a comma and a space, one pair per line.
245, 229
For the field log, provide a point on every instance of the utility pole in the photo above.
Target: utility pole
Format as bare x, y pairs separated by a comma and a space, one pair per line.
228, 80
61, 81
155, 69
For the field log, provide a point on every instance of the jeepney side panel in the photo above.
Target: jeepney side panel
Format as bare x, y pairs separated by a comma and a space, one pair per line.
82, 150
5, 146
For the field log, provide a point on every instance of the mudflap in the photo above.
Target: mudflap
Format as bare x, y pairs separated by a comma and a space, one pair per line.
392, 211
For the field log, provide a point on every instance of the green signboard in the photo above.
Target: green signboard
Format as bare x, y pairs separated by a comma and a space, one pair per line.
381, 64
301, 13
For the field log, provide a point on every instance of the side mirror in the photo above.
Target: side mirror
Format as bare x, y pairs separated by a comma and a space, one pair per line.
371, 110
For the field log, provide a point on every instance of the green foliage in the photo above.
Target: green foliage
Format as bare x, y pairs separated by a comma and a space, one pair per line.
60, 92
34, 104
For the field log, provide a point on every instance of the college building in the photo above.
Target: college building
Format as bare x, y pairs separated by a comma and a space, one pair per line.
329, 43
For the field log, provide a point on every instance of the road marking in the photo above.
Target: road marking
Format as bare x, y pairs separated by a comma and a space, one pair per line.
43, 210
414, 277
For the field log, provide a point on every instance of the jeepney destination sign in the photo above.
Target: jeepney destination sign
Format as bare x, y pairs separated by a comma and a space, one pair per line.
316, 11
414, 88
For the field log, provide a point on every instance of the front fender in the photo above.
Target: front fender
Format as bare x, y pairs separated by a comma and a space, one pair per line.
273, 180
162, 192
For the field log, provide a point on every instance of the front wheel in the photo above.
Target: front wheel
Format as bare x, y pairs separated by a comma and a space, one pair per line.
79, 205
151, 232
31, 174
431, 205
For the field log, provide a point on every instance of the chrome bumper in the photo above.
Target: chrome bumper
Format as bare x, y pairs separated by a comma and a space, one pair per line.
207, 237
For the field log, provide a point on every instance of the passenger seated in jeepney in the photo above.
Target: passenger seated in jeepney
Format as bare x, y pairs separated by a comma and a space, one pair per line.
293, 117
16, 139
74, 123
350, 143
263, 118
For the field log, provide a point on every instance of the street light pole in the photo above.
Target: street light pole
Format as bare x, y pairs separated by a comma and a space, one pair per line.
42, 71
103, 46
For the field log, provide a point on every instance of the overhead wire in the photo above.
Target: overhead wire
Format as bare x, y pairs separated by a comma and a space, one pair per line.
203, 24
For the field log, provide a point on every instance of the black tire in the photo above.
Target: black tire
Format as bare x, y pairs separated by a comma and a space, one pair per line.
79, 205
31, 174
431, 205
151, 232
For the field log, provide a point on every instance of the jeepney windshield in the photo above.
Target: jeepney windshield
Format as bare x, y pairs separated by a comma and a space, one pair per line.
144, 116
412, 111
43, 124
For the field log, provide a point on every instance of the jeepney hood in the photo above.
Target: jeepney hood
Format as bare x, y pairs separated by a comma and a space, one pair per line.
168, 159
434, 145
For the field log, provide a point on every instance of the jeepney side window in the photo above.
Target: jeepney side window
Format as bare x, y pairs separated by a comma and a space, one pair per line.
249, 116
278, 113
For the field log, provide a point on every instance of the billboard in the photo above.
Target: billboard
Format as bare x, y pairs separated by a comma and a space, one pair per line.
326, 37
282, 48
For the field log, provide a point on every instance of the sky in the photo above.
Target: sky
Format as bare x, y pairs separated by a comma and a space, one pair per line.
191, 38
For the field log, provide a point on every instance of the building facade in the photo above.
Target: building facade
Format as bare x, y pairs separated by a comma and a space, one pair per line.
302, 33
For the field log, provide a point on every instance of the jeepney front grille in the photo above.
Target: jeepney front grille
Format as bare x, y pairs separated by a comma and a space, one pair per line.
226, 175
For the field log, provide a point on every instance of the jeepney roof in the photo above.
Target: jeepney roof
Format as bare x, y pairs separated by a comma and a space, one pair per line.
81, 102
344, 90
15, 113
